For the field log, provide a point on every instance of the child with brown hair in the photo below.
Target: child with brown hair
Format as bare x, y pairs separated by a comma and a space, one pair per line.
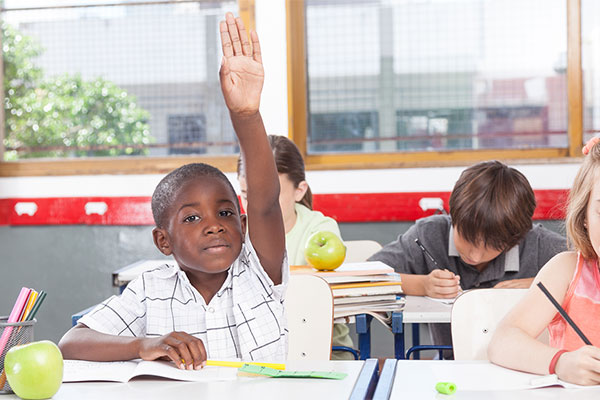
573, 279
488, 240
224, 297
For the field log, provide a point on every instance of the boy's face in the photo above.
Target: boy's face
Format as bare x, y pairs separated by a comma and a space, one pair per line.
475, 255
205, 231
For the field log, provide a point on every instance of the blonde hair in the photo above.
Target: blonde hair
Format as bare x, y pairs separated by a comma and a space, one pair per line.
579, 199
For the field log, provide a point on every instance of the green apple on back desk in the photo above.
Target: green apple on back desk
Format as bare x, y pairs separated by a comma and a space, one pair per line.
324, 250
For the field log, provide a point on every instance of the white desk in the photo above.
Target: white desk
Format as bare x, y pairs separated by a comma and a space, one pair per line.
248, 388
416, 380
423, 310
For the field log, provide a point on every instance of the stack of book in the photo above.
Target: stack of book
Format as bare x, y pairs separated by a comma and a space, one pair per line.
370, 287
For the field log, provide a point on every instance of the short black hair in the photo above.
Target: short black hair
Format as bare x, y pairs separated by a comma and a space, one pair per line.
167, 188
493, 204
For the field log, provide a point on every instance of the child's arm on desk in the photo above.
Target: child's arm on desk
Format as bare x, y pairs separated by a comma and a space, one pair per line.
242, 78
83, 343
514, 344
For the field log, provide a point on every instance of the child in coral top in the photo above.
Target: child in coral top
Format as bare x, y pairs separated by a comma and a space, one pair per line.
573, 278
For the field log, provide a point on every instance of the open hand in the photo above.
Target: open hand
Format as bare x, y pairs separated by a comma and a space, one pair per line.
242, 74
442, 284
186, 351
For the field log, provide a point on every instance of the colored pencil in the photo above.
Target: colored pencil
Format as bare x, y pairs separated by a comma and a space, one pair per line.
36, 307
239, 364
14, 316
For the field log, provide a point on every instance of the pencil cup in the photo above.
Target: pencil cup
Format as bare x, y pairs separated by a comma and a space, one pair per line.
17, 333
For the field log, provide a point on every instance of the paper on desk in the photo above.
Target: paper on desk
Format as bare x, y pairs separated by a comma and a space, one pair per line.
123, 371
443, 301
490, 377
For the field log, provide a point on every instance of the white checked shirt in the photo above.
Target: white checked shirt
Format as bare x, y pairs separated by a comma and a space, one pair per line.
244, 320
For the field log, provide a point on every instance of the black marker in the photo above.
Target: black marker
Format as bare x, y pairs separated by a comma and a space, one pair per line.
564, 314
428, 254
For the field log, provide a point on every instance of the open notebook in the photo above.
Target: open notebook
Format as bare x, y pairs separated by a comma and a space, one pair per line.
123, 371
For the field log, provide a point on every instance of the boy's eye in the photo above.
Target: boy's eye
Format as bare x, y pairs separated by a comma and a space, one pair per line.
191, 218
225, 213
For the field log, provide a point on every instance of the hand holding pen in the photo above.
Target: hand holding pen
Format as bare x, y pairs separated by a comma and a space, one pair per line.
439, 283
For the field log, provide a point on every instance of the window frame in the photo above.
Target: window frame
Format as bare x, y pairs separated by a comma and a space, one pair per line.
298, 110
113, 165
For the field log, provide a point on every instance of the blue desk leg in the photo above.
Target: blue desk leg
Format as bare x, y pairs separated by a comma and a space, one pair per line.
398, 331
363, 329
416, 340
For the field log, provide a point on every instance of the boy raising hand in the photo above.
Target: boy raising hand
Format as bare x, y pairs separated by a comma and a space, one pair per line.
223, 298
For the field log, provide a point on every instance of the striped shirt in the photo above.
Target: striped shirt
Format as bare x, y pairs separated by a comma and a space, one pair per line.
244, 319
582, 304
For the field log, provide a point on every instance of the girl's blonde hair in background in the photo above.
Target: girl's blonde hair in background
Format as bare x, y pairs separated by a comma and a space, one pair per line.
579, 198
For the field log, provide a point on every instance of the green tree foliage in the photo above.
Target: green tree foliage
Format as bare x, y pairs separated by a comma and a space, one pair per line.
65, 116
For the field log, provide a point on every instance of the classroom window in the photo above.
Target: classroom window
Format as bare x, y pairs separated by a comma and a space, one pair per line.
590, 52
443, 75
94, 79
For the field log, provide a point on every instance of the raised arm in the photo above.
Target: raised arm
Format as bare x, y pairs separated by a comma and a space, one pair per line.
242, 77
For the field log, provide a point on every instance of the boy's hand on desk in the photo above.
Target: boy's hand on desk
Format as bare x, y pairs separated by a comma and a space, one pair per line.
523, 283
186, 351
581, 366
442, 284
242, 74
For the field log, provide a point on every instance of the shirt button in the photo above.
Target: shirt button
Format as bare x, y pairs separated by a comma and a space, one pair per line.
211, 310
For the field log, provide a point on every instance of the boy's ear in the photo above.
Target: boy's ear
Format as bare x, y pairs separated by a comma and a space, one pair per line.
300, 191
161, 241
243, 221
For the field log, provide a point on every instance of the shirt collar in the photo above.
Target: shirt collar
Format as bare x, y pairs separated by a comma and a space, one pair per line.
511, 259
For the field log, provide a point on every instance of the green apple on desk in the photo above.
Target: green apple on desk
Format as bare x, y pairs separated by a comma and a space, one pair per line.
325, 251
34, 370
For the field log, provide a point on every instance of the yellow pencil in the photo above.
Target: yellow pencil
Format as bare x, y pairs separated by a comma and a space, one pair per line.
238, 364
29, 305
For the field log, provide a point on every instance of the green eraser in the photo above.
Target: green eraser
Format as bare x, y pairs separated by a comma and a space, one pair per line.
445, 387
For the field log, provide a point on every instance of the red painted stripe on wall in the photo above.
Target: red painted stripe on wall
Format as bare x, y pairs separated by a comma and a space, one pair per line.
344, 207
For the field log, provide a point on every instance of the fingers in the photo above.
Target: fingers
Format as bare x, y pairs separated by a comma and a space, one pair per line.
256, 47
234, 34
246, 49
173, 355
234, 39
192, 354
443, 284
186, 351
198, 351
226, 44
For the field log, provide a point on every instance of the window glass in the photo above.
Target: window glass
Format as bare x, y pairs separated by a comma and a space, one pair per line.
91, 78
413, 75
590, 60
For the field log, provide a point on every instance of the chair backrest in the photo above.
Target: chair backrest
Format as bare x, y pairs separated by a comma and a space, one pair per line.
309, 309
360, 250
475, 316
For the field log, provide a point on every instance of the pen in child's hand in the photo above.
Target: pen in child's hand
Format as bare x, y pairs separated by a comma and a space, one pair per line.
427, 253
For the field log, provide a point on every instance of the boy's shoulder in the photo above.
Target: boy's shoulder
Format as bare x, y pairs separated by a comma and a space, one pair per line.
440, 222
163, 272
548, 237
